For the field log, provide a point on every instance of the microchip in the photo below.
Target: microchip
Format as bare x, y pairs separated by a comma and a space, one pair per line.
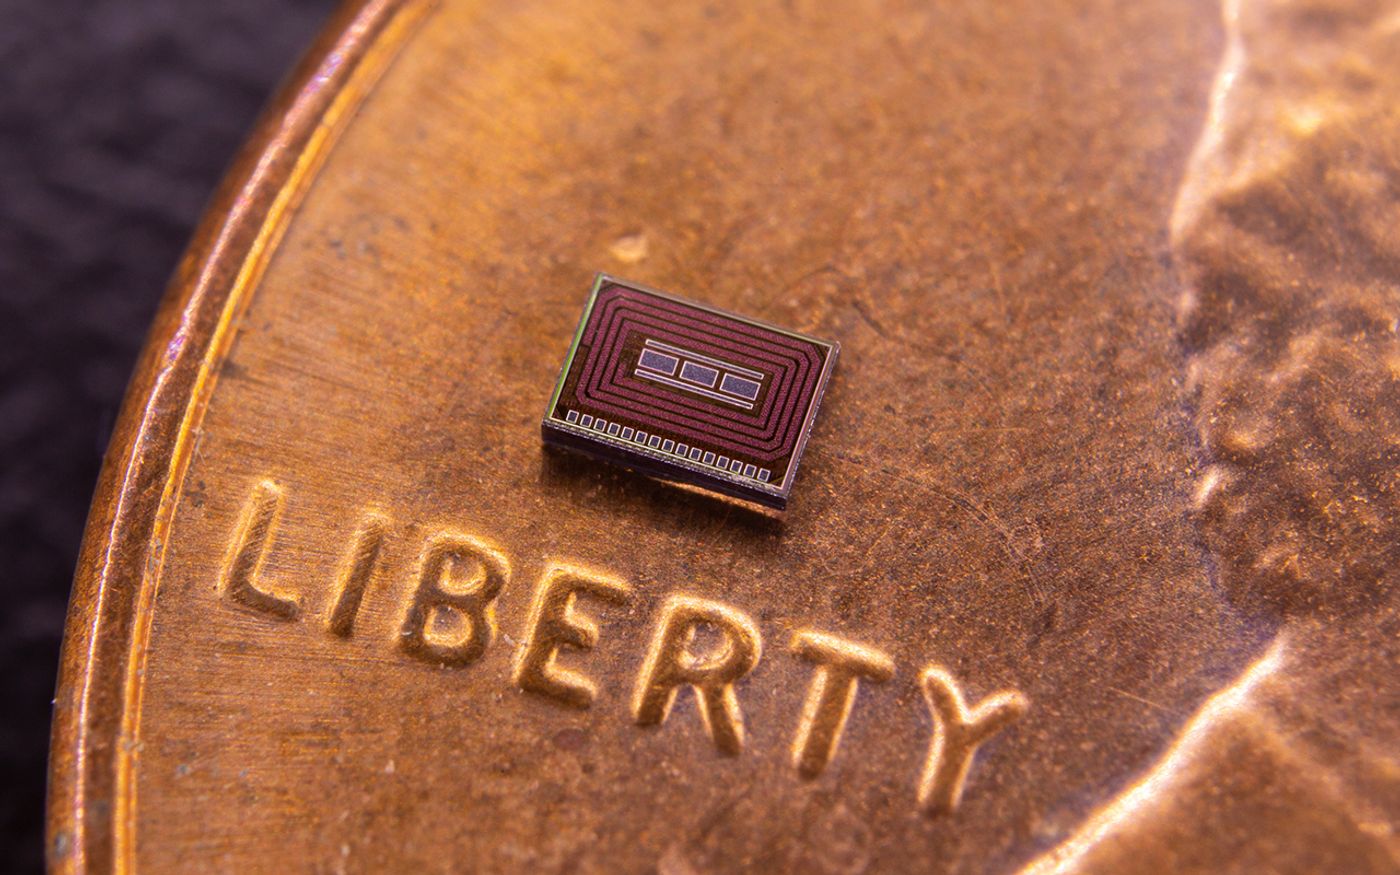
688, 393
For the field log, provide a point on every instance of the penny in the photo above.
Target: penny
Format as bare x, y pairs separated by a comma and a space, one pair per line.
1092, 567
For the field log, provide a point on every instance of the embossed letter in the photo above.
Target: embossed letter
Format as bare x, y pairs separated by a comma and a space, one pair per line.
553, 623
446, 593
355, 574
669, 664
840, 665
956, 734
249, 549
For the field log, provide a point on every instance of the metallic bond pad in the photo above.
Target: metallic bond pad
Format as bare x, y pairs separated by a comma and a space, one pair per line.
689, 393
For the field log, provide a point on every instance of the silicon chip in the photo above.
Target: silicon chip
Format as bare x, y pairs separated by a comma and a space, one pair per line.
689, 393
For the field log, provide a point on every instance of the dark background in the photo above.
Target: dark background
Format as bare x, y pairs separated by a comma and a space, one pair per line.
117, 119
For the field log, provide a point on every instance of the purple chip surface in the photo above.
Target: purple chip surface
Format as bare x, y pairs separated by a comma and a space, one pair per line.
712, 385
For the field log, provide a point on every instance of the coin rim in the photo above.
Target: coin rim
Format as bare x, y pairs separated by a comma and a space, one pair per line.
90, 807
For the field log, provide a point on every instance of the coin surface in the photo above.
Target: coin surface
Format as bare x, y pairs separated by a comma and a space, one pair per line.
1093, 564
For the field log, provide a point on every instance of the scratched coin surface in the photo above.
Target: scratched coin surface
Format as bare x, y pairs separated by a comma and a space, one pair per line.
1093, 564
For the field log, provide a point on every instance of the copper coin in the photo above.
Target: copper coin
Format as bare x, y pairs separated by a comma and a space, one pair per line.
1091, 562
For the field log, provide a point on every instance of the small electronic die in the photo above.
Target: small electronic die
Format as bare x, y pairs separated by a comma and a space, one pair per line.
688, 393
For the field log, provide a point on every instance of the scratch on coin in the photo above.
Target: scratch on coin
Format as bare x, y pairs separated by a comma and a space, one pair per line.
1137, 698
